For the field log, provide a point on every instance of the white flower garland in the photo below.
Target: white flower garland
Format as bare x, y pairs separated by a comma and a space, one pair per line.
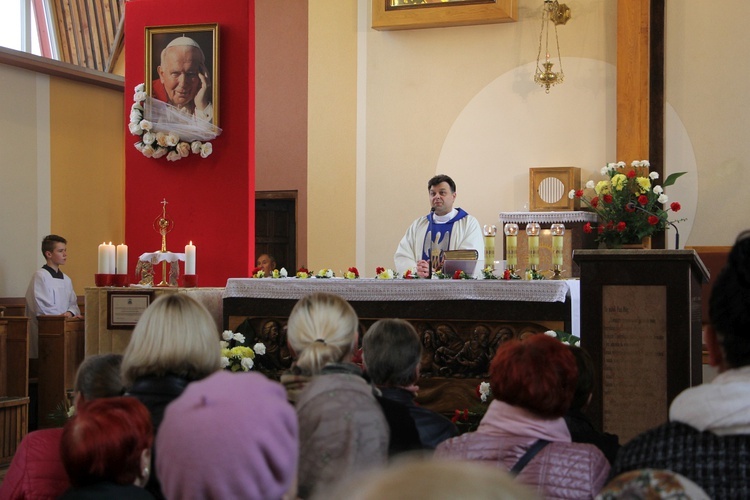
159, 144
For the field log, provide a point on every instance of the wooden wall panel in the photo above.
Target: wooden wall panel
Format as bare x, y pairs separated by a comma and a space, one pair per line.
86, 30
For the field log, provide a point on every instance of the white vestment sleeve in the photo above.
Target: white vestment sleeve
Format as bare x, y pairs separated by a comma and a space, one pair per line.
409, 250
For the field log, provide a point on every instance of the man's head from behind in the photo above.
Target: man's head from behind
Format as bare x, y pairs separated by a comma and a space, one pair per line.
442, 191
181, 62
391, 350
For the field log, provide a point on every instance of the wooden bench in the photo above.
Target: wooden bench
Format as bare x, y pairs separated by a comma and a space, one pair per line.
14, 385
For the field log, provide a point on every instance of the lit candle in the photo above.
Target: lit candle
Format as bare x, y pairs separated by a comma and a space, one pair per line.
558, 230
532, 231
102, 266
511, 244
190, 258
122, 259
111, 258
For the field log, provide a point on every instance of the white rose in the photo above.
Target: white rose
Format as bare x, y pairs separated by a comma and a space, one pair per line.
247, 364
590, 185
653, 175
620, 164
139, 96
551, 333
259, 349
146, 125
572, 194
206, 150
140, 87
227, 335
224, 361
195, 147
159, 152
283, 272
173, 156
148, 151
135, 128
658, 189
223, 344
577, 343
161, 139
149, 138
239, 338
663, 198
635, 164
137, 105
139, 146
645, 163
135, 116
184, 149
172, 139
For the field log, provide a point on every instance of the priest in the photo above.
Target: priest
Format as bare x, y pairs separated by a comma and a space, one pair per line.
444, 228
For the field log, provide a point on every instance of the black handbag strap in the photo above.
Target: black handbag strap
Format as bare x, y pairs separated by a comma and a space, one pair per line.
530, 453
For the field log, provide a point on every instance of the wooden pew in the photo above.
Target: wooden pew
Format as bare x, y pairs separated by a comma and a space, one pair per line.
61, 351
14, 385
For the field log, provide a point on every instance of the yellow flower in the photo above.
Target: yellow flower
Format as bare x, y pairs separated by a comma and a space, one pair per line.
643, 183
619, 181
276, 273
603, 187
225, 352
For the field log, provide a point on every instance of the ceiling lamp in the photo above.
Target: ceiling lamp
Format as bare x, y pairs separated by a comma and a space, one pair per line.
552, 13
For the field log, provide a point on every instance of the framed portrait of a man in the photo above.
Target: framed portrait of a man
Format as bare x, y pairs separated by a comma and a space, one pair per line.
182, 68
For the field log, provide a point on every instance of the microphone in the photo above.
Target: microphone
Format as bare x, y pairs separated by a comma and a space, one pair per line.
634, 207
433, 263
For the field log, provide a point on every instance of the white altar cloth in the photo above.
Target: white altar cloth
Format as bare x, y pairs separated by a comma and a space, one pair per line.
371, 289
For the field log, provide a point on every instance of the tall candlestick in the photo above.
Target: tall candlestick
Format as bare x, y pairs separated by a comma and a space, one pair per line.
122, 259
511, 245
102, 258
111, 258
557, 230
532, 231
190, 258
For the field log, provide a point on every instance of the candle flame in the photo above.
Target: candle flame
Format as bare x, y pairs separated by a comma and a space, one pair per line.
191, 242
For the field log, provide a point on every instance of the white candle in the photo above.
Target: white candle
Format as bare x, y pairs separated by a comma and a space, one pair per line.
102, 267
111, 258
122, 259
190, 258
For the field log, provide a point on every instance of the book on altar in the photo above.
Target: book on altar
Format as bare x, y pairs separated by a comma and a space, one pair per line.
462, 260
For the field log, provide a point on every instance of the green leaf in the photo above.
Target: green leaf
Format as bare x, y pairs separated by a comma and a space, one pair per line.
672, 178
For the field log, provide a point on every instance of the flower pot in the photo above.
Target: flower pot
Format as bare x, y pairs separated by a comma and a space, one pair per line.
644, 244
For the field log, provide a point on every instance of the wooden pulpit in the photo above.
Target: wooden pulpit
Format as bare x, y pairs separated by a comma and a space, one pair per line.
641, 324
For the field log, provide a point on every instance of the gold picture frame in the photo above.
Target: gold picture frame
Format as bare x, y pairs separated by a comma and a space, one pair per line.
387, 16
206, 36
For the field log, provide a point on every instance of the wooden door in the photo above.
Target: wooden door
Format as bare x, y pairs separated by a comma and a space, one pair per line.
276, 227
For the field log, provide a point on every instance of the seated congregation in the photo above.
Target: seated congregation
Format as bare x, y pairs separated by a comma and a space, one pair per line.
164, 421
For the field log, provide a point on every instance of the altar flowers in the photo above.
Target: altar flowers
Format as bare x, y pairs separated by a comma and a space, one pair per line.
235, 356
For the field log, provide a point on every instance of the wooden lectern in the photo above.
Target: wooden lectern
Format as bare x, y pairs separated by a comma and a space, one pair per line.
641, 323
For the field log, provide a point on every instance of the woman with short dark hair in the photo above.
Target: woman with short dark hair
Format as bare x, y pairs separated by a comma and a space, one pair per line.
533, 382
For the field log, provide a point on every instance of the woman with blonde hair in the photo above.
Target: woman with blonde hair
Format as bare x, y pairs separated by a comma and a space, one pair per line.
341, 426
174, 343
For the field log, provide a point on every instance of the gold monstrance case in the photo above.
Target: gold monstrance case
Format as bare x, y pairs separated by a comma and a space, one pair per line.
164, 225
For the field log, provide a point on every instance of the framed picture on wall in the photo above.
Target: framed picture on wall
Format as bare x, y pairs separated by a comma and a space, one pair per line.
182, 68
414, 14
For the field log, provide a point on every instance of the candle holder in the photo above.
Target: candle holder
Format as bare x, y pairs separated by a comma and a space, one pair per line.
511, 248
104, 279
489, 244
189, 280
558, 232
120, 280
532, 232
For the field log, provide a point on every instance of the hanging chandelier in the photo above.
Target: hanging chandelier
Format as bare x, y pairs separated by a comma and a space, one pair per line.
553, 13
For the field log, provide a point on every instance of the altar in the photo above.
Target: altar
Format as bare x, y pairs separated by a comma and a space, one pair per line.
461, 322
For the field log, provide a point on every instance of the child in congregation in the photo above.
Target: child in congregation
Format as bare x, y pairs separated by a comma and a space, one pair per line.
175, 342
106, 450
50, 291
37, 470
533, 381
